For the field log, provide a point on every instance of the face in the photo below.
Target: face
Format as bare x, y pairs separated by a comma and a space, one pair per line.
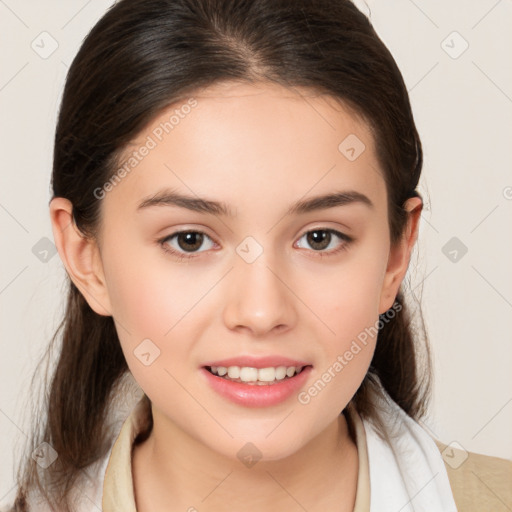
250, 271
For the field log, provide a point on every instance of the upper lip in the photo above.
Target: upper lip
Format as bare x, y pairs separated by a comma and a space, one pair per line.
257, 362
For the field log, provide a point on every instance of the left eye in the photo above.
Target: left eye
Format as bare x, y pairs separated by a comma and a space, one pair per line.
321, 239
188, 241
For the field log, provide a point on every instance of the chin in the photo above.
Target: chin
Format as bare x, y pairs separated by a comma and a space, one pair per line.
250, 449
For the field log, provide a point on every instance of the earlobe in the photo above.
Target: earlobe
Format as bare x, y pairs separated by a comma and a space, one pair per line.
400, 254
80, 255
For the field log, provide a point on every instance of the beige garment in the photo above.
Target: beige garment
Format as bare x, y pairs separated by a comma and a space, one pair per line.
479, 483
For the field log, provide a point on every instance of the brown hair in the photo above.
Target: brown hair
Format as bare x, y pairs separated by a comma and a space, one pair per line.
143, 56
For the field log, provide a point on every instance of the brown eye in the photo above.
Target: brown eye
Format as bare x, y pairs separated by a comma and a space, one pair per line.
190, 240
184, 242
321, 239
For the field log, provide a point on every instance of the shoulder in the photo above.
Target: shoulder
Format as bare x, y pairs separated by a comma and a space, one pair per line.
479, 482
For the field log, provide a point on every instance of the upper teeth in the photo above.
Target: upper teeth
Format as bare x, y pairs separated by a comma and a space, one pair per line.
249, 374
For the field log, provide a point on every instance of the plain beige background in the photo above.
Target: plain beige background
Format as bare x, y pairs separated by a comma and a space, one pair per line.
455, 59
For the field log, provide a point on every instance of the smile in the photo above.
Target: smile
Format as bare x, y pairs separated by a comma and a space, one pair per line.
255, 376
248, 386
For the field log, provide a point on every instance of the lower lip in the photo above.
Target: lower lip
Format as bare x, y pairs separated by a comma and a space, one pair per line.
254, 395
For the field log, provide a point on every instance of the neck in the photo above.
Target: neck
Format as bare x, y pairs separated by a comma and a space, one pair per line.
171, 469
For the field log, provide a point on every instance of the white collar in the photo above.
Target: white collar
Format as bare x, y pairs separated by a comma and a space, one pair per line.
407, 471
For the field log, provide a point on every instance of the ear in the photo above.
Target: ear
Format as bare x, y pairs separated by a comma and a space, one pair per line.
80, 255
400, 254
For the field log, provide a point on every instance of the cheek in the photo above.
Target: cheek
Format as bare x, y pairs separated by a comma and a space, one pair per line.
149, 294
347, 296
346, 299
149, 298
151, 310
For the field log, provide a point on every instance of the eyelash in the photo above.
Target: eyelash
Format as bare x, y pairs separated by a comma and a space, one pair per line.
322, 254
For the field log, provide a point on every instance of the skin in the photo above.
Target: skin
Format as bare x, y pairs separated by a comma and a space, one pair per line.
258, 148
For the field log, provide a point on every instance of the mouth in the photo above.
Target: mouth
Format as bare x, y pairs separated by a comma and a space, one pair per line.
256, 381
250, 375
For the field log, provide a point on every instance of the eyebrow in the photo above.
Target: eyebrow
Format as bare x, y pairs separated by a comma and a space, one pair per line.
203, 205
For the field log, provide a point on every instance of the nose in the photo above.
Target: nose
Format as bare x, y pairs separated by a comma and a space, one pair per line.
260, 299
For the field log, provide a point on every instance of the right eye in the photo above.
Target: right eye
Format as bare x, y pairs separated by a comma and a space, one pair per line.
187, 241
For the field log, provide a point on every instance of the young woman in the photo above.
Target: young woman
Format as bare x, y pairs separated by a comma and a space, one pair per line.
235, 205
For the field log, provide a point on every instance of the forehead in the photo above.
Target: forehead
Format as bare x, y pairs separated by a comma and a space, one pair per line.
233, 137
